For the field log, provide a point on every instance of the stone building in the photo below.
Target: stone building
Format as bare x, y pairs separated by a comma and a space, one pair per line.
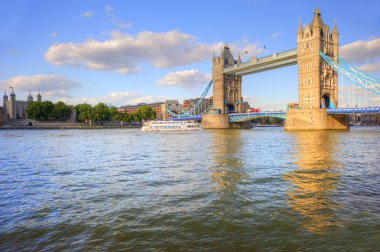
16, 109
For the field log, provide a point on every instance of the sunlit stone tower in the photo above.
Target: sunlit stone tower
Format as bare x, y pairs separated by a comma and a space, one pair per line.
317, 82
226, 88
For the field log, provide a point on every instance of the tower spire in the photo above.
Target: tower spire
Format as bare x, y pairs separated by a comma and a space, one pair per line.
299, 26
239, 58
317, 20
335, 29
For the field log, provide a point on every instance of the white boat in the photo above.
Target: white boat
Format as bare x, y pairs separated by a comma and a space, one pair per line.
170, 125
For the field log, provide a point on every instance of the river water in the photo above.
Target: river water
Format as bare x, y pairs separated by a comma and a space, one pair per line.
123, 189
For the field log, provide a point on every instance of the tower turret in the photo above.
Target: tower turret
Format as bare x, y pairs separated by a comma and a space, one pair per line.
11, 109
39, 97
5, 96
30, 97
299, 31
317, 20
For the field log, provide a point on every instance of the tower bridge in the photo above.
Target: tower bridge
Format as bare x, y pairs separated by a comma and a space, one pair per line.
317, 82
318, 66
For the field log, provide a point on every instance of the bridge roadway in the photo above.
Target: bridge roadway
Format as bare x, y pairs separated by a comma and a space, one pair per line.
241, 117
270, 62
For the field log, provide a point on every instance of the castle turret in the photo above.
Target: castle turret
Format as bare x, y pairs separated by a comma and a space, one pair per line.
39, 97
11, 109
5, 101
5, 98
30, 97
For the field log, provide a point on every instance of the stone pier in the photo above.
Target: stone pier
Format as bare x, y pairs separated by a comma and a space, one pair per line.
314, 119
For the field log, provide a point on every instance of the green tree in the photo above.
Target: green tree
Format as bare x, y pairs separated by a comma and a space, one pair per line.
113, 111
146, 113
85, 112
47, 110
122, 117
61, 110
102, 112
34, 110
136, 117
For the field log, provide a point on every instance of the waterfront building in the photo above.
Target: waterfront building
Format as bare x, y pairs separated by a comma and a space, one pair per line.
156, 106
203, 107
16, 109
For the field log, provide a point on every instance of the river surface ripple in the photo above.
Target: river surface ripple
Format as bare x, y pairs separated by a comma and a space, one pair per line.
123, 189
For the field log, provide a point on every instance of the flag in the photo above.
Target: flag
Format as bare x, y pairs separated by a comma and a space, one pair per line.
246, 52
265, 47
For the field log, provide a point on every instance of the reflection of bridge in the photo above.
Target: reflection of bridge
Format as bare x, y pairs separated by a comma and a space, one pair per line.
318, 68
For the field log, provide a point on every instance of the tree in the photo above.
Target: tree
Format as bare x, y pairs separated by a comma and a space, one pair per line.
113, 111
47, 110
102, 112
61, 110
40, 110
85, 112
146, 113
34, 110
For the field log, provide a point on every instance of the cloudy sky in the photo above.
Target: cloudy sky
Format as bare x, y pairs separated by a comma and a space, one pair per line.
125, 52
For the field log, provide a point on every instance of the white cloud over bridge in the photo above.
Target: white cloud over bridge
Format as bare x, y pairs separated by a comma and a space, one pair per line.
124, 52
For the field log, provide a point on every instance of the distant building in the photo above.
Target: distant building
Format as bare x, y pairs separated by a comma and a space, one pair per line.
172, 105
16, 109
206, 104
156, 106
365, 119
245, 106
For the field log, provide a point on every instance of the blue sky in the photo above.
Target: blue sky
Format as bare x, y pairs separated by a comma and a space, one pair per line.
124, 52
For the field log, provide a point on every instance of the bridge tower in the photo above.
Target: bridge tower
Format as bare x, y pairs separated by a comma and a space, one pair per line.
317, 82
226, 87
226, 92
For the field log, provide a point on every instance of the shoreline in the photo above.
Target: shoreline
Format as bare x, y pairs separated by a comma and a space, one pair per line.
67, 127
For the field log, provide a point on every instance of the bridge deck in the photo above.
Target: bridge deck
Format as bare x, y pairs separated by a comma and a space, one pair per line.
241, 117
273, 61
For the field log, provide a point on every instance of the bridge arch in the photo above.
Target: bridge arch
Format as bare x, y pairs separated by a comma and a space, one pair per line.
230, 108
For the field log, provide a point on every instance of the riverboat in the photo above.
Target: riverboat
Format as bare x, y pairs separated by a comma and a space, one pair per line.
170, 125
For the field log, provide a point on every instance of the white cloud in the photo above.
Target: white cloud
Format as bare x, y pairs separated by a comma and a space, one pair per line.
53, 35
361, 51
87, 14
123, 25
109, 9
115, 20
124, 53
371, 67
276, 34
50, 85
186, 78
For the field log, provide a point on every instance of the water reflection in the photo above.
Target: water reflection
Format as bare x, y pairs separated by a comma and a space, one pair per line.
315, 180
227, 169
